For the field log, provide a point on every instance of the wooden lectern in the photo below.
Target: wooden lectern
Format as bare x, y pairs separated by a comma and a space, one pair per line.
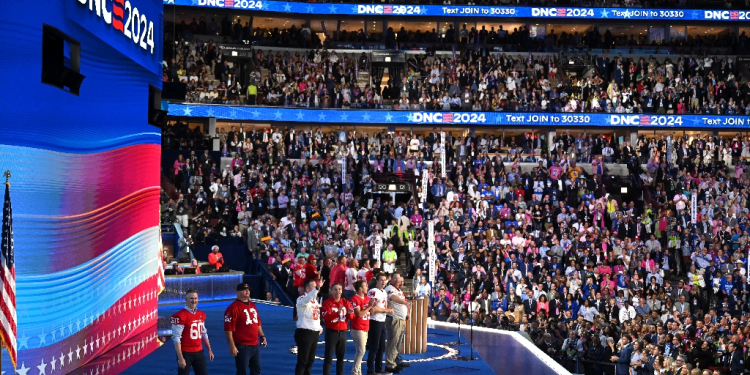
416, 328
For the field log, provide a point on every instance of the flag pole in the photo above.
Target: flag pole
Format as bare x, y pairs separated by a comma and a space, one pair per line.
6, 174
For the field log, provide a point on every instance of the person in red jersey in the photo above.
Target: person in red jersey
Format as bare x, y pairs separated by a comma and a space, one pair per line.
374, 265
298, 270
188, 330
360, 323
244, 332
216, 258
336, 311
362, 273
338, 272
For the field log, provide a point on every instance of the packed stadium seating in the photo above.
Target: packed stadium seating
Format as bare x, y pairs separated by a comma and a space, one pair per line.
697, 84
543, 250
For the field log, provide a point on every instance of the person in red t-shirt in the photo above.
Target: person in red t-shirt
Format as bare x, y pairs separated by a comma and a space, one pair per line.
335, 311
244, 332
216, 258
374, 263
360, 323
338, 272
311, 272
188, 329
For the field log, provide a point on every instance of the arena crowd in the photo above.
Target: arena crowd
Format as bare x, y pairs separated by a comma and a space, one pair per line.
699, 83
601, 285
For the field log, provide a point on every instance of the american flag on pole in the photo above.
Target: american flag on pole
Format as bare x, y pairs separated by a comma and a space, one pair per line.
8, 323
160, 281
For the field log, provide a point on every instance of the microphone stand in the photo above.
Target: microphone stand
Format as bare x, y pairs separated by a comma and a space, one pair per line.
458, 335
471, 338
471, 335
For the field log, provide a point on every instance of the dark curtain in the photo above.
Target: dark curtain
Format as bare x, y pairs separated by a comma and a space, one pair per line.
394, 72
377, 76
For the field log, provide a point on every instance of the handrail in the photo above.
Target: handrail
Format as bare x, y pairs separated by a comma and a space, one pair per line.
169, 187
271, 283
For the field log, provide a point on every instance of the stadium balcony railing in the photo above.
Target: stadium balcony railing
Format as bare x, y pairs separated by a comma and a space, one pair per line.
272, 285
536, 46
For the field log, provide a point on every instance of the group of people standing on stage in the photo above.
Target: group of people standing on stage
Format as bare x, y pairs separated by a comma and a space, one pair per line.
242, 328
376, 317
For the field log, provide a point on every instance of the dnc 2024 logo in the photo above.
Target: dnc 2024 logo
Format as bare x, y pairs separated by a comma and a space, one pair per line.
125, 18
729, 15
448, 118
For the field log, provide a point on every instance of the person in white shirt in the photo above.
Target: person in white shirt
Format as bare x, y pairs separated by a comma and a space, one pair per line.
587, 311
376, 336
376, 242
362, 273
608, 152
680, 201
286, 220
518, 240
423, 288
215, 187
308, 327
351, 278
325, 181
395, 323
627, 312
708, 63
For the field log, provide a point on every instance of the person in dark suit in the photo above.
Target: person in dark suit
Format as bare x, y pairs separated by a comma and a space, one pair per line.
600, 304
555, 307
645, 365
550, 345
609, 352
281, 271
736, 361
530, 305
627, 229
254, 236
271, 204
484, 301
622, 360
680, 362
434, 136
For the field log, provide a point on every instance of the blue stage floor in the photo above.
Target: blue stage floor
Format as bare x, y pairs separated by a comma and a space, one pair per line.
277, 358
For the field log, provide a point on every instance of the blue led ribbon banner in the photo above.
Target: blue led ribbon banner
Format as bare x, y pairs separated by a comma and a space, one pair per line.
471, 11
379, 117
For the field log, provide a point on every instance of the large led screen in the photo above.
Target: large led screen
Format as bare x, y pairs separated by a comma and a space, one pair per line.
84, 188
